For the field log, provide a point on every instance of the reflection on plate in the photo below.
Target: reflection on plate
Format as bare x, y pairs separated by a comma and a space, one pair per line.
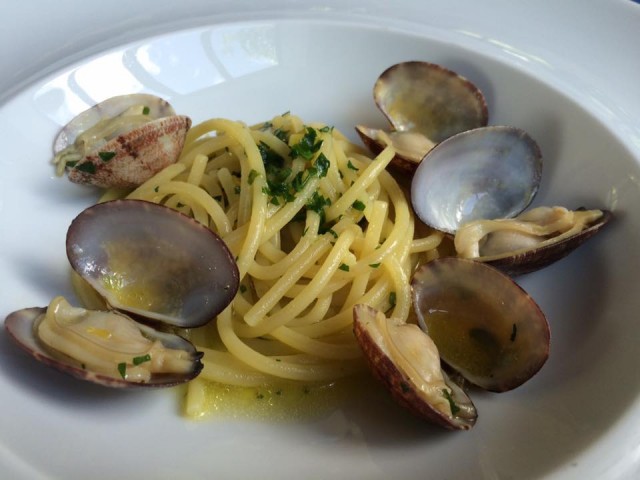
566, 422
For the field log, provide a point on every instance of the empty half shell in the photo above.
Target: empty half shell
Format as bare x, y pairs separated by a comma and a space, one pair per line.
486, 327
486, 173
153, 262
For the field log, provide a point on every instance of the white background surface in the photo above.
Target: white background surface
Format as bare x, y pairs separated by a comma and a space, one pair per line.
577, 420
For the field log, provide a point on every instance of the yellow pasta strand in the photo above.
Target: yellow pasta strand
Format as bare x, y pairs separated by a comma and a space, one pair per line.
316, 226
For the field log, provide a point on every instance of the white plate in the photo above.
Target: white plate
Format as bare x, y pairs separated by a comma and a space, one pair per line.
576, 419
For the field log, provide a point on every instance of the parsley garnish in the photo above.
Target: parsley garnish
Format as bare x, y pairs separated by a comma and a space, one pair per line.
344, 267
71, 163
252, 176
141, 359
392, 299
146, 110
122, 369
282, 134
351, 166
307, 146
106, 156
317, 203
322, 165
454, 408
374, 265
358, 205
86, 167
326, 129
272, 161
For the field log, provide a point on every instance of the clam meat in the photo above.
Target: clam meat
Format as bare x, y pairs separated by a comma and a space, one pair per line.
485, 326
105, 347
425, 104
156, 270
407, 362
121, 142
532, 240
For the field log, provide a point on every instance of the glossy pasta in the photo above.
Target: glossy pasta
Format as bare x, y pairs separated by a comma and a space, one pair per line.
316, 226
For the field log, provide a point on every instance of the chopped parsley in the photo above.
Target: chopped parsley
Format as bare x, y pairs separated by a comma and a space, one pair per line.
146, 110
454, 408
392, 299
282, 134
141, 359
351, 166
344, 267
122, 369
86, 167
317, 203
308, 145
252, 176
322, 165
71, 163
374, 265
271, 159
106, 156
358, 205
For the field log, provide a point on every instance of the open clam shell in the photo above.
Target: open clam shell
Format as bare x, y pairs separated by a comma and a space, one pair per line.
122, 141
22, 327
425, 104
485, 173
153, 262
406, 361
486, 327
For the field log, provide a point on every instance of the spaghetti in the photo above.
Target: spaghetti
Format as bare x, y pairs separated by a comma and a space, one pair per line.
316, 226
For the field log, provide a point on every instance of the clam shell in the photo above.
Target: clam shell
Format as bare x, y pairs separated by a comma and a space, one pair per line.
21, 328
153, 262
425, 104
404, 388
528, 261
486, 327
429, 98
485, 173
136, 153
